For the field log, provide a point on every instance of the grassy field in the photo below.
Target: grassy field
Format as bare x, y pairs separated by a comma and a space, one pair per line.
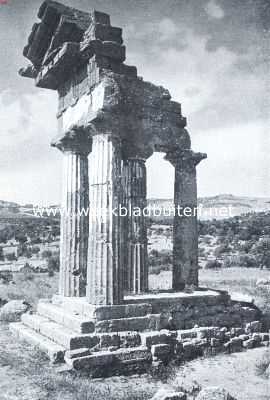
30, 287
239, 282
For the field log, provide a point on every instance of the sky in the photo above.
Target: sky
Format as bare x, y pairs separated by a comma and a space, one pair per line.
212, 55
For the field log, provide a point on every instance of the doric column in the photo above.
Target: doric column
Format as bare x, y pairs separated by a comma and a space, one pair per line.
136, 263
185, 233
74, 209
105, 255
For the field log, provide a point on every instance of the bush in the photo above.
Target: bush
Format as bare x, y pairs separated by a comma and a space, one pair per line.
213, 264
35, 249
261, 250
46, 254
11, 257
27, 273
53, 265
263, 363
241, 261
160, 257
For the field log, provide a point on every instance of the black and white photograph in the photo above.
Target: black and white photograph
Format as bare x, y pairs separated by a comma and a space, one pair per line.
134, 200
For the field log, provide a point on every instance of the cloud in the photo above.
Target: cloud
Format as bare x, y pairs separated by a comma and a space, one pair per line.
238, 160
30, 168
182, 70
214, 10
156, 35
27, 122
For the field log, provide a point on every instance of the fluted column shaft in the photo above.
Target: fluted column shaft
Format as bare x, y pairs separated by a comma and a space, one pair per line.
105, 255
74, 225
136, 263
185, 232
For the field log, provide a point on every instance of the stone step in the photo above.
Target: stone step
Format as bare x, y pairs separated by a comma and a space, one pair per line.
54, 351
81, 307
67, 338
63, 317
71, 340
111, 359
151, 322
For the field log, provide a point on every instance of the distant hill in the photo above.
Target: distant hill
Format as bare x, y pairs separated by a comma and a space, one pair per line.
210, 206
11, 210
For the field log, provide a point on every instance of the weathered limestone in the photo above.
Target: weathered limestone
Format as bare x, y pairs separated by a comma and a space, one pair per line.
105, 258
104, 348
74, 219
136, 265
54, 351
185, 233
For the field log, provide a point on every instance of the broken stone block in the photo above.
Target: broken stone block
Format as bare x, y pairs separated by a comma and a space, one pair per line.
103, 33
233, 345
236, 344
199, 346
244, 337
254, 326
237, 331
257, 338
187, 334
99, 359
228, 335
166, 394
249, 344
264, 337
130, 339
107, 340
128, 354
156, 337
215, 342
77, 353
189, 350
178, 348
161, 351
12, 311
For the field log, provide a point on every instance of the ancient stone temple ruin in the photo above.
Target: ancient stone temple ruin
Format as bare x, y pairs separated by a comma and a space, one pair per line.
110, 122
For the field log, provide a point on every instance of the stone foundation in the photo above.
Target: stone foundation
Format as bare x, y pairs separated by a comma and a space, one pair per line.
144, 330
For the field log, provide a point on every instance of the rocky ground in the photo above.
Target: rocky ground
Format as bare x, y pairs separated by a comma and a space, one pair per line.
25, 374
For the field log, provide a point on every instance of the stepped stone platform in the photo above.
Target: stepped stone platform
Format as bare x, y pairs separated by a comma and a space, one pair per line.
129, 337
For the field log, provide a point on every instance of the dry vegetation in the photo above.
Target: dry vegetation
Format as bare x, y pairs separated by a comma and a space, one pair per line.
26, 373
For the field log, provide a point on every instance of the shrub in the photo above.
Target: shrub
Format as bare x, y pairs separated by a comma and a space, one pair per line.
11, 257
46, 254
53, 265
263, 363
27, 273
35, 249
213, 264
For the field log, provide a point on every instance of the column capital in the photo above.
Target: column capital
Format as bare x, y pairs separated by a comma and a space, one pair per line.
76, 140
184, 159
